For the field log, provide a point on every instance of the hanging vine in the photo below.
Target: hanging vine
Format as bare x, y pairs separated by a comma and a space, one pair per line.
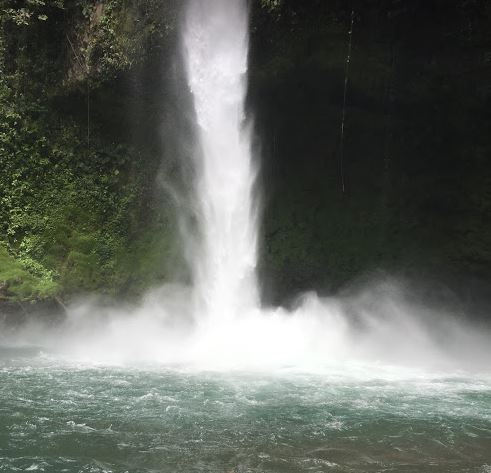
345, 93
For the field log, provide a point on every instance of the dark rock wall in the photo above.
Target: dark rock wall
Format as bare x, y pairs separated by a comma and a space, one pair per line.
417, 145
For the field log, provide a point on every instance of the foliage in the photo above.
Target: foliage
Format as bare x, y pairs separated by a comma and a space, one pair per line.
70, 210
18, 283
113, 36
65, 210
23, 13
271, 5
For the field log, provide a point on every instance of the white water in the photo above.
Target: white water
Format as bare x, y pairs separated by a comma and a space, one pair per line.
216, 40
366, 335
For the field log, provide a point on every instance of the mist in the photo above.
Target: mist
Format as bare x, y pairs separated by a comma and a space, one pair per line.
376, 332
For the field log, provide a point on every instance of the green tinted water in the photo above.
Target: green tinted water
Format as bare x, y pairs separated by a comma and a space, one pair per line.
62, 417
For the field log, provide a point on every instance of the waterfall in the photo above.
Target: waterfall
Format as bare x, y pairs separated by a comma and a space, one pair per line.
215, 39
376, 328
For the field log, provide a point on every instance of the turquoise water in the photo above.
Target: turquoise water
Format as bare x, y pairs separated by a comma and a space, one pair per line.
60, 416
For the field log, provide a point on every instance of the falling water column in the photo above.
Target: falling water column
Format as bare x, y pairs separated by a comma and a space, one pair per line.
216, 40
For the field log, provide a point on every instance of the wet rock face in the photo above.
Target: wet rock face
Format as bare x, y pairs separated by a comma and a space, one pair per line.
17, 313
415, 118
3, 291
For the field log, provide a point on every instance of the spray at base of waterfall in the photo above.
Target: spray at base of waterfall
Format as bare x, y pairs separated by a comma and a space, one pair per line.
374, 332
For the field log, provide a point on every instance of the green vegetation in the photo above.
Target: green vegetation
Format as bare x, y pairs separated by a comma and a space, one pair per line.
78, 205
18, 283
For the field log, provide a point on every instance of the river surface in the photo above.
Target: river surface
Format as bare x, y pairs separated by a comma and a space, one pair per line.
58, 415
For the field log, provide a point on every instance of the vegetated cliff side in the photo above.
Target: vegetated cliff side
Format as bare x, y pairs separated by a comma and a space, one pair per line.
80, 146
